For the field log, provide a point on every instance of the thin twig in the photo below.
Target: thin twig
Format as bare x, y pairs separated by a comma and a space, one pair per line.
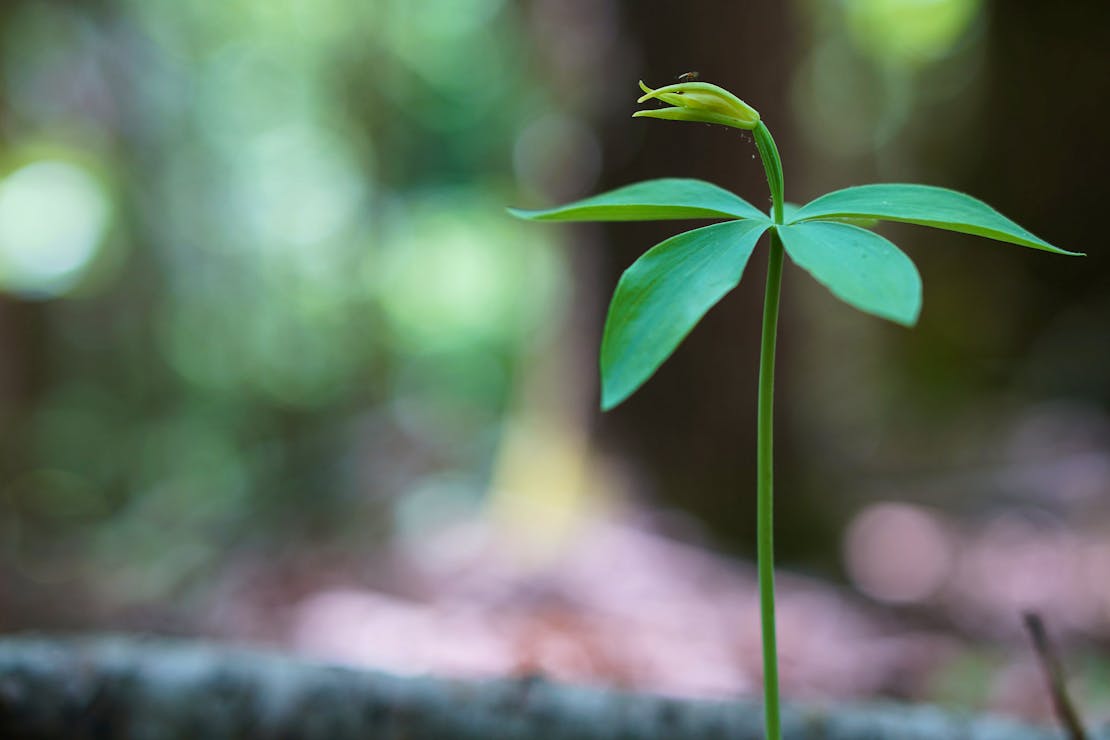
1054, 675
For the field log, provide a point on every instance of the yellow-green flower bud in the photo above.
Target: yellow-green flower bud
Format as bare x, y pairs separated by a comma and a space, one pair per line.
699, 101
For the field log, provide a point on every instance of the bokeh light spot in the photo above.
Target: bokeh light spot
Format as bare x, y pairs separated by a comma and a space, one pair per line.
909, 31
53, 217
456, 274
297, 188
898, 553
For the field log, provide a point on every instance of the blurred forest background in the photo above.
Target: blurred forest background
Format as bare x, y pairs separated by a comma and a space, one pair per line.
277, 367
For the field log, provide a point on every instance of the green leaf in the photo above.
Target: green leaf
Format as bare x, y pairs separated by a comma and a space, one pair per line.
663, 295
925, 205
789, 209
860, 267
666, 198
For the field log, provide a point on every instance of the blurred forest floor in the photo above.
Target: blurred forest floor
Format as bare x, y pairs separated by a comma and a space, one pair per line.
622, 606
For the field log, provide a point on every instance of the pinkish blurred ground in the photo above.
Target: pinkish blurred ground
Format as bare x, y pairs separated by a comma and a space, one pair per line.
626, 607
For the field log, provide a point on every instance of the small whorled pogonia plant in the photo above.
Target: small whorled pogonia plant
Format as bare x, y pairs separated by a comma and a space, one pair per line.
664, 294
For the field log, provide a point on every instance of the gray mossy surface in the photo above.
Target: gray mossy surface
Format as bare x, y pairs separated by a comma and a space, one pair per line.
128, 688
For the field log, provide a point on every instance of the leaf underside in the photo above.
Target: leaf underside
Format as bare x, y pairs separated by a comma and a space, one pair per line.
925, 205
858, 266
663, 295
666, 198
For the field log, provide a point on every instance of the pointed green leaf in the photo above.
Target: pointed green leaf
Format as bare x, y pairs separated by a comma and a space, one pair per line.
663, 295
666, 198
925, 205
860, 267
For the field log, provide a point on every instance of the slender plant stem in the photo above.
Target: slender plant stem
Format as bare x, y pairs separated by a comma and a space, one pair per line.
765, 531
772, 165
765, 490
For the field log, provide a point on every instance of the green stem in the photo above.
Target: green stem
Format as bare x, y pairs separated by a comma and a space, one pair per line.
765, 531
772, 165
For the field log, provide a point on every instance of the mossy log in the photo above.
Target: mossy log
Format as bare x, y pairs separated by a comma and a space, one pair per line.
127, 688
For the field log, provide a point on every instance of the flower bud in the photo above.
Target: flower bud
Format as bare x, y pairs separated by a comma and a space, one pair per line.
699, 101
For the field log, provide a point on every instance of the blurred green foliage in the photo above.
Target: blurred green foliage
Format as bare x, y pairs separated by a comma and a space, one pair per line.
259, 281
